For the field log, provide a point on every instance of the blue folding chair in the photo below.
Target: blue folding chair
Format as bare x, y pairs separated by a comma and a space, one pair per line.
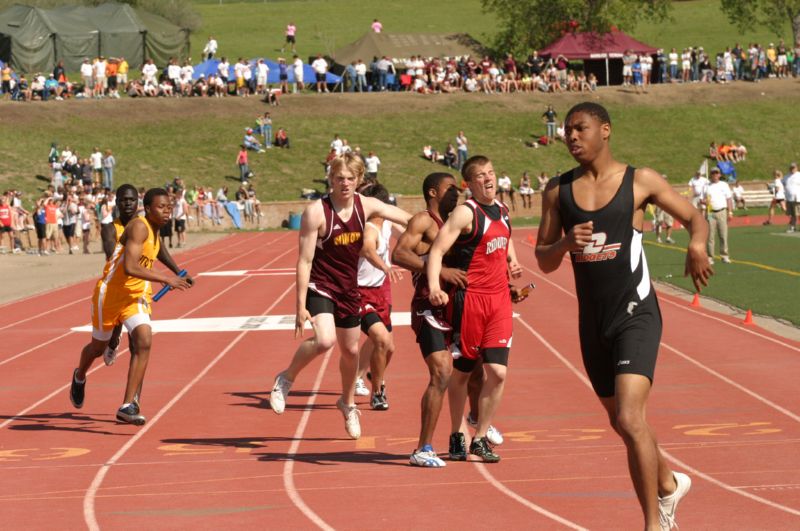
728, 170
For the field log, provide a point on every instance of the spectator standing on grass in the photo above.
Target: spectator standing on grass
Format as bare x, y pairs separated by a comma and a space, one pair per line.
697, 186
109, 162
291, 37
361, 76
549, 116
299, 84
87, 73
462, 148
720, 210
320, 67
376, 26
241, 161
210, 49
372, 162
265, 124
792, 187
97, 164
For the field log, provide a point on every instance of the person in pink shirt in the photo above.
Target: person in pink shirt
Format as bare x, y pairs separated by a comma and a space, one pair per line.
241, 160
291, 30
377, 27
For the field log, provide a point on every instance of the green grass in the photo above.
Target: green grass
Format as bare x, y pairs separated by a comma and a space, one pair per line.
765, 290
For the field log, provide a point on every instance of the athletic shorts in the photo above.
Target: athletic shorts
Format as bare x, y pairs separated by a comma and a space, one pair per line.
69, 230
320, 78
344, 316
482, 327
51, 230
664, 218
374, 308
430, 327
165, 230
290, 38
4, 228
628, 346
180, 225
109, 310
40, 231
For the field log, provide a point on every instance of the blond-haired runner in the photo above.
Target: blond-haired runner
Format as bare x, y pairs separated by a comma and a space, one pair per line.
123, 295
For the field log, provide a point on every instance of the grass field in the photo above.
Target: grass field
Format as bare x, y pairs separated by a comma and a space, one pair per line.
763, 277
256, 28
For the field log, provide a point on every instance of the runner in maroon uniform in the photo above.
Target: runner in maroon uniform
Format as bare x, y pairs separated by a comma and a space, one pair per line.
327, 281
479, 232
441, 196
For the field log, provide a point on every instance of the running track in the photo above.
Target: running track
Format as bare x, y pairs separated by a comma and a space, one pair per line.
212, 456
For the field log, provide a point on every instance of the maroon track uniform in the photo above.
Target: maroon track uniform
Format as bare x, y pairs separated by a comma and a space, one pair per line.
334, 270
428, 321
481, 314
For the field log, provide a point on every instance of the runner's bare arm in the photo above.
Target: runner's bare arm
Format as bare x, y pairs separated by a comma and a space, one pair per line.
134, 237
166, 258
657, 190
550, 245
310, 224
376, 207
404, 253
514, 269
459, 220
109, 237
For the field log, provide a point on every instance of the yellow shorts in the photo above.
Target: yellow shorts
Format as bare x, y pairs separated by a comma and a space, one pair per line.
111, 309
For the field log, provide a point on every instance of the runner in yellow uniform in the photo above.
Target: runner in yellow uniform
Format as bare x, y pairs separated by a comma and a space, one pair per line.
123, 295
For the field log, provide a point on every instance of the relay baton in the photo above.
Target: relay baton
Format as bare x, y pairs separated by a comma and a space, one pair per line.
163, 291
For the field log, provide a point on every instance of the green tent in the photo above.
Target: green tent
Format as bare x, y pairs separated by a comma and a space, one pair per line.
34, 39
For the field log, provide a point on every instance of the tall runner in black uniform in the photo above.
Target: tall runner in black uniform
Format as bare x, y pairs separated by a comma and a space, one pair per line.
479, 233
327, 281
428, 322
595, 212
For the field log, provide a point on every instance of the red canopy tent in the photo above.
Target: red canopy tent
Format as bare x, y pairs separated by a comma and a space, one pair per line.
591, 46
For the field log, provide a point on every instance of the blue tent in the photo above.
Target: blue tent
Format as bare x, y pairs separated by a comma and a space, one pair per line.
211, 67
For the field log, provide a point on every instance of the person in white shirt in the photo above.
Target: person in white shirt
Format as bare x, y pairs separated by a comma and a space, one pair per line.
673, 66
224, 70
792, 188
720, 210
697, 185
372, 161
97, 164
187, 73
336, 144
504, 187
361, 76
87, 74
149, 72
100, 80
320, 67
778, 196
210, 49
298, 75
262, 73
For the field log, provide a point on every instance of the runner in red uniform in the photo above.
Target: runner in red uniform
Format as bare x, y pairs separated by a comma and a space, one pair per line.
327, 281
479, 232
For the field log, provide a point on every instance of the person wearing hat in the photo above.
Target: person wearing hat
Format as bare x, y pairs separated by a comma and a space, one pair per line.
719, 201
251, 142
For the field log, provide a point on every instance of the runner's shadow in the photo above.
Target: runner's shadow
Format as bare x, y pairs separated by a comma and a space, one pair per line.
260, 399
62, 422
333, 458
251, 443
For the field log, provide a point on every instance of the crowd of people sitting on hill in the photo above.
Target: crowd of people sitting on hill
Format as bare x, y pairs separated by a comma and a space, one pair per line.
730, 152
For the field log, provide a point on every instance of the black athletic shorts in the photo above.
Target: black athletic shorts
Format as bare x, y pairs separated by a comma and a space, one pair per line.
628, 346
69, 230
320, 78
488, 355
370, 319
41, 230
290, 38
166, 230
180, 225
316, 304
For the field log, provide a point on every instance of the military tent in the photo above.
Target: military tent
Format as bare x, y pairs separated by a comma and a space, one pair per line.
401, 46
34, 39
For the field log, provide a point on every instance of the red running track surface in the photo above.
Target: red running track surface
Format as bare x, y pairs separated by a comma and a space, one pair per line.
212, 456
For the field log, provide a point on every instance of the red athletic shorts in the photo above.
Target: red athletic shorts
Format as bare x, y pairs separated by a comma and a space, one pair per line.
373, 300
482, 322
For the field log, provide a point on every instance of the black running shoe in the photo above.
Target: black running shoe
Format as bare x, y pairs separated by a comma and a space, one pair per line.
458, 447
379, 402
76, 391
483, 449
130, 414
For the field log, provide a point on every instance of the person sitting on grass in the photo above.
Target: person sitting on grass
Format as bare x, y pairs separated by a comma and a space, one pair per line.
251, 142
429, 153
282, 138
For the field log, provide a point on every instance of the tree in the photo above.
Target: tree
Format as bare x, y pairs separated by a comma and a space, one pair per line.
530, 24
770, 13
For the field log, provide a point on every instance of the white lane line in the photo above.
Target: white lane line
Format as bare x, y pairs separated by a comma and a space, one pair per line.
87, 298
64, 387
288, 466
89, 514
527, 503
670, 457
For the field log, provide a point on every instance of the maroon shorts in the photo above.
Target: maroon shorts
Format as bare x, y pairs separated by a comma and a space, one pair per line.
373, 300
481, 322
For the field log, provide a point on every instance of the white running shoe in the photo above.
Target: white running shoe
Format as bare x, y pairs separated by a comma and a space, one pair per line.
426, 457
280, 390
351, 422
361, 388
110, 356
669, 504
494, 435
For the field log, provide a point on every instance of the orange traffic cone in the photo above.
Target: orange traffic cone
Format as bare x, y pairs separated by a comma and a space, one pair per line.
747, 220
748, 318
531, 239
695, 301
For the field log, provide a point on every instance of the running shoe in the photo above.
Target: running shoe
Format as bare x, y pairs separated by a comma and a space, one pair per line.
670, 240
379, 402
351, 422
361, 388
669, 504
77, 391
493, 434
280, 390
458, 447
130, 413
110, 355
426, 457
482, 449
